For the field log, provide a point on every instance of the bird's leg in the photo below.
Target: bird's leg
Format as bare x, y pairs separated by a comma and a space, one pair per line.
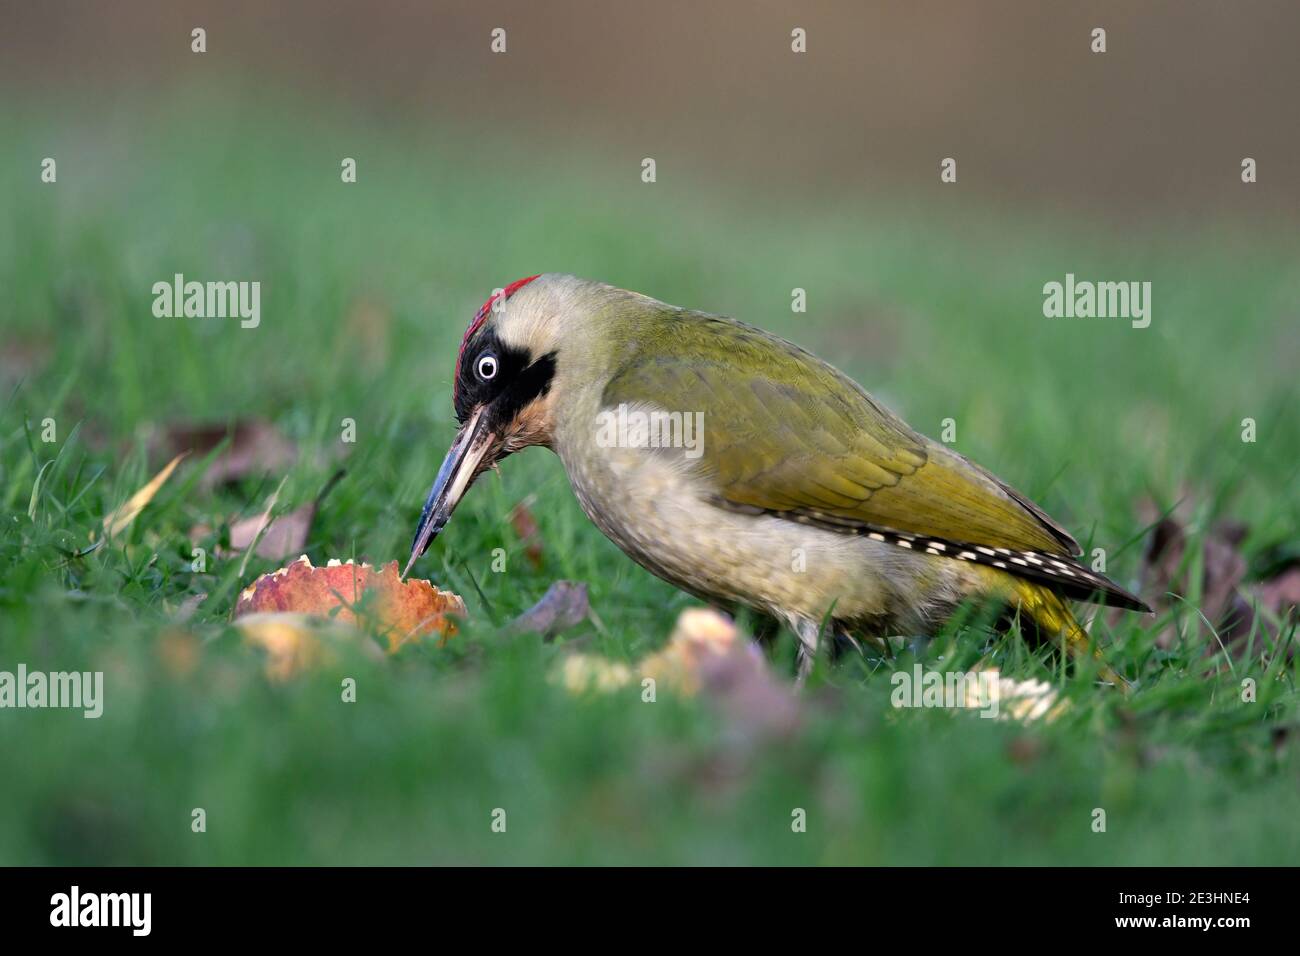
808, 633
766, 628
842, 641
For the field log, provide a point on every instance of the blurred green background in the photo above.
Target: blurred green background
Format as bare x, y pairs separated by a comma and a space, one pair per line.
775, 171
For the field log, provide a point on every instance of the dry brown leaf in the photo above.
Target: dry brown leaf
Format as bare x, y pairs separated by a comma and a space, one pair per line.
20, 360
256, 447
700, 635
1281, 595
705, 655
401, 611
185, 610
121, 519
1163, 573
564, 605
276, 538
1227, 601
284, 536
525, 525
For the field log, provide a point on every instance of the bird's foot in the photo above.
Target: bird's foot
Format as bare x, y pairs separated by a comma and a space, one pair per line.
808, 633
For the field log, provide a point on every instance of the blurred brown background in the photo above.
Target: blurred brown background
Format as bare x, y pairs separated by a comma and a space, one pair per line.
1156, 125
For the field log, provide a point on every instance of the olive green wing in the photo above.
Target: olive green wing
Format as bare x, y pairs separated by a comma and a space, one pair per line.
788, 434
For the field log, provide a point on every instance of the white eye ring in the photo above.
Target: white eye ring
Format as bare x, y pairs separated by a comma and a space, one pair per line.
487, 367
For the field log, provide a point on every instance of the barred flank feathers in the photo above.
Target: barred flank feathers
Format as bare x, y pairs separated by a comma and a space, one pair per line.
1063, 573
1041, 581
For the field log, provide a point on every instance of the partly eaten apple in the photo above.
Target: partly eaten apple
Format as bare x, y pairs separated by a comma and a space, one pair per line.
355, 594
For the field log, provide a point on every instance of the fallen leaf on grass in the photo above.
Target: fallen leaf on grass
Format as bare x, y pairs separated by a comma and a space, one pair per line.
564, 605
256, 447
344, 592
1281, 595
525, 525
1223, 570
282, 536
706, 655
121, 519
20, 360
700, 637
732, 670
1227, 602
1025, 750
185, 610
276, 538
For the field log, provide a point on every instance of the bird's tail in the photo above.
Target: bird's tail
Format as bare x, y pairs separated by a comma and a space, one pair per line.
1054, 619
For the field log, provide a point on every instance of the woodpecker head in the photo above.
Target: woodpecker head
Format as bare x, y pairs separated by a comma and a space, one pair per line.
501, 391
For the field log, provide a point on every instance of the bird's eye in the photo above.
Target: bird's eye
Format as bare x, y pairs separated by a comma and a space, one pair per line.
487, 367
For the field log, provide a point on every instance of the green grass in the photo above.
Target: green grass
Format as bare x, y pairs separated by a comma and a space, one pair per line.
934, 304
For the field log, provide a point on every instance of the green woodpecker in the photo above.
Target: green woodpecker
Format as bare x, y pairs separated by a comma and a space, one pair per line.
745, 471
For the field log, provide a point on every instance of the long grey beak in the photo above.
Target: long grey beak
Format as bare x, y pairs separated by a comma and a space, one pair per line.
458, 470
